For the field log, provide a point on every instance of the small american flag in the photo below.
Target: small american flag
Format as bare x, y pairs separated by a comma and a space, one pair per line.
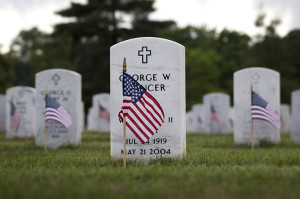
54, 111
144, 114
261, 110
0, 122
214, 115
14, 118
104, 113
200, 123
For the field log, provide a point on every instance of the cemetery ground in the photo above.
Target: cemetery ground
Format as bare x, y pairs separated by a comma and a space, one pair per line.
213, 168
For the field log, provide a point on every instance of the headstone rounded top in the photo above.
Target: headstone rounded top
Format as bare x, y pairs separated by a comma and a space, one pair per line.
196, 106
58, 70
215, 94
28, 88
262, 69
296, 92
142, 39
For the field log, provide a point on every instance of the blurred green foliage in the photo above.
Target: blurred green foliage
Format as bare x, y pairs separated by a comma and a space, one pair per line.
83, 45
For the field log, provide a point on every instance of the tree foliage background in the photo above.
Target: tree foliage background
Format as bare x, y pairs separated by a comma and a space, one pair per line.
212, 57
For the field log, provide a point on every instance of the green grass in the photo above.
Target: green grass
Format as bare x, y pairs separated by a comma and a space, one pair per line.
213, 168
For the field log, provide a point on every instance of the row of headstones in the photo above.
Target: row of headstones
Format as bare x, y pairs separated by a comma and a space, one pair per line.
23, 109
159, 66
200, 121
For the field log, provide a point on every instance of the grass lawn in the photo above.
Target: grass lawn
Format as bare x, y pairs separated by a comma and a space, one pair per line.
213, 168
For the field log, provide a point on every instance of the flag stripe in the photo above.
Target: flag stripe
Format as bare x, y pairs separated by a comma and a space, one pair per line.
152, 105
57, 113
128, 124
156, 104
140, 123
266, 112
151, 112
149, 118
143, 118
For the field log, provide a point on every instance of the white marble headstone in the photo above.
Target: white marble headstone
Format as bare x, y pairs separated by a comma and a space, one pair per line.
189, 121
20, 112
220, 103
266, 85
65, 87
295, 123
285, 116
197, 118
101, 106
231, 119
2, 113
158, 65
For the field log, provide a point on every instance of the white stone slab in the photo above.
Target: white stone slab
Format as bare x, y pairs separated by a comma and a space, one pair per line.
189, 121
197, 118
231, 119
159, 66
20, 112
266, 85
285, 116
220, 102
65, 87
101, 112
2, 113
295, 121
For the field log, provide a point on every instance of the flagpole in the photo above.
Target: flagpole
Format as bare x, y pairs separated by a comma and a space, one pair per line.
252, 134
211, 121
124, 124
46, 126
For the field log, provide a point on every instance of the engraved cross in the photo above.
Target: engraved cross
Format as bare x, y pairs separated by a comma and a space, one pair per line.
144, 53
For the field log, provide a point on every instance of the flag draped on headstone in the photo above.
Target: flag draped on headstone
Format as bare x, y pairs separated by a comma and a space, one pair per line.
215, 116
54, 111
261, 110
104, 113
14, 118
144, 114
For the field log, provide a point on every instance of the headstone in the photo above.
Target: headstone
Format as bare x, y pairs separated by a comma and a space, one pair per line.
20, 112
82, 117
189, 121
295, 123
101, 106
2, 113
159, 66
285, 117
197, 118
266, 85
215, 110
231, 119
64, 86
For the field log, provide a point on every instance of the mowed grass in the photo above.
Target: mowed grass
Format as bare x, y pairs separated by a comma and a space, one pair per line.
213, 168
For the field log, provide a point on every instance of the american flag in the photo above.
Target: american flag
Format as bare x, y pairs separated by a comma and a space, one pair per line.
261, 110
14, 118
54, 111
0, 122
144, 115
214, 115
104, 113
200, 122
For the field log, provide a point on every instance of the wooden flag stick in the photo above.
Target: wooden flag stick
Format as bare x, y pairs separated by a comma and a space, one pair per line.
46, 126
124, 123
252, 134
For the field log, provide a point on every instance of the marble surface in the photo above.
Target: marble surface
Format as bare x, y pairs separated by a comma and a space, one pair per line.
20, 112
65, 87
295, 122
220, 102
159, 66
285, 116
2, 113
266, 85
